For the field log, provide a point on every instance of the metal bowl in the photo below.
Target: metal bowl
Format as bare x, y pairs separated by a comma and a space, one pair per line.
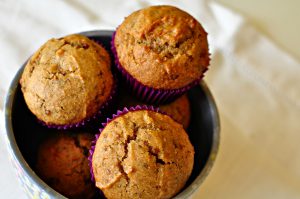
23, 134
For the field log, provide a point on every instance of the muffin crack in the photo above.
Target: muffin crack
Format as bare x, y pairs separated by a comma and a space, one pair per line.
76, 44
124, 174
83, 149
155, 152
56, 68
128, 140
40, 99
35, 61
55, 74
33, 64
166, 49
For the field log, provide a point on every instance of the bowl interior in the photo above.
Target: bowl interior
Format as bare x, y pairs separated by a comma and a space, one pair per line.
203, 130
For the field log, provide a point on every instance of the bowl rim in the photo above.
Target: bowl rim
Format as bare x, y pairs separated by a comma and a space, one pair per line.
195, 185
16, 153
12, 144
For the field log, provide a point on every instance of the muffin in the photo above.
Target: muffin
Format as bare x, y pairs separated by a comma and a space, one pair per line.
179, 109
62, 163
161, 51
142, 153
67, 81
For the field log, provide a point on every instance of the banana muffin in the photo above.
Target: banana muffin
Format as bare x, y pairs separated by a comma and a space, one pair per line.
142, 154
67, 80
162, 47
179, 109
62, 163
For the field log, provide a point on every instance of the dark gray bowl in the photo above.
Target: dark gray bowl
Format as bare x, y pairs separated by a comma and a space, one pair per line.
24, 134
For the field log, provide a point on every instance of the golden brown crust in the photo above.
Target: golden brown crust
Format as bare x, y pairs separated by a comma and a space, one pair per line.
67, 80
179, 109
63, 163
142, 154
162, 47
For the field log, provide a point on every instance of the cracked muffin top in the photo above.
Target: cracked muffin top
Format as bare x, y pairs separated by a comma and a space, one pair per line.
162, 47
67, 80
142, 154
62, 163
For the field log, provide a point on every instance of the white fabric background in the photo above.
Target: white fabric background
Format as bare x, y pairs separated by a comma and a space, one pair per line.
255, 84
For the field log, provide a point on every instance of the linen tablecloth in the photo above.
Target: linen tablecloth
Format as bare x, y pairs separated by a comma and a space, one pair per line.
255, 84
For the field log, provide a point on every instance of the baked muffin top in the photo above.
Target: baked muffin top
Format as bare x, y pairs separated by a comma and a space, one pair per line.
179, 109
67, 80
162, 47
63, 163
142, 154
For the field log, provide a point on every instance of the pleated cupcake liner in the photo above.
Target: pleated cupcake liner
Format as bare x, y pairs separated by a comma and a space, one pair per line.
146, 93
114, 116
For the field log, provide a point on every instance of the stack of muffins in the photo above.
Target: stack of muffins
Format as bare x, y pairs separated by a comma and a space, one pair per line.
143, 150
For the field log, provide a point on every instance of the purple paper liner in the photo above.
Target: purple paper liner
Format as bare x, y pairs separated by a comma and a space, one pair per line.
105, 106
114, 116
146, 93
